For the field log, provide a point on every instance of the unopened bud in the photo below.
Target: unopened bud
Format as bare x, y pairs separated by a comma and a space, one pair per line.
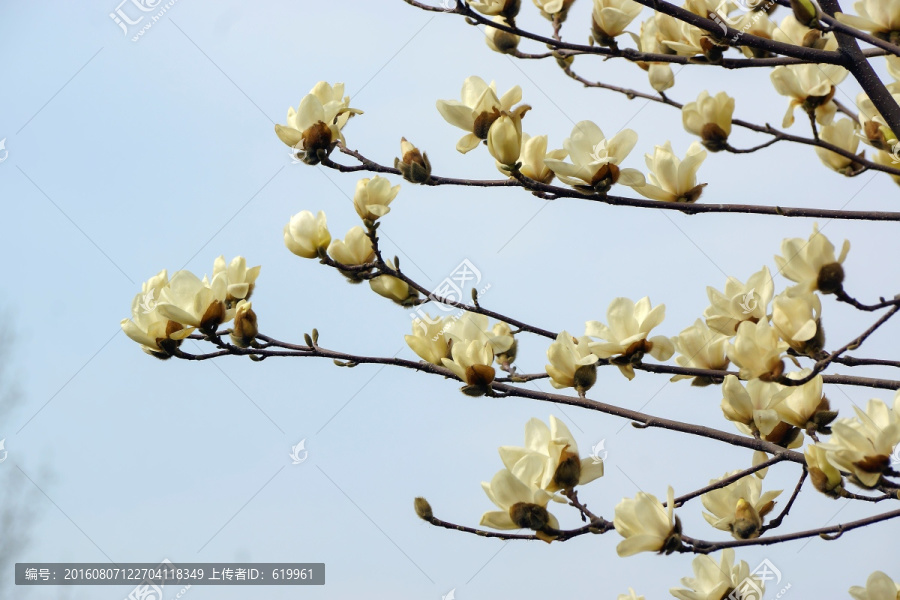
423, 509
245, 327
805, 12
501, 41
413, 165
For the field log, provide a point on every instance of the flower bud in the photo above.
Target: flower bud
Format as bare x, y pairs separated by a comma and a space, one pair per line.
245, 327
500, 41
505, 139
305, 235
423, 509
413, 165
831, 278
804, 12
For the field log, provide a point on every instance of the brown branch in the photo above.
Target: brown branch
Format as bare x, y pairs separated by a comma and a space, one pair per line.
720, 483
776, 522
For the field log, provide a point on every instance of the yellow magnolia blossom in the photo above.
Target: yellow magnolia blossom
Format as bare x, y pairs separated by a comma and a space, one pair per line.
809, 86
822, 473
881, 17
625, 337
878, 586
647, 525
157, 334
738, 507
373, 197
699, 347
842, 133
862, 446
571, 363
710, 118
757, 350
314, 129
478, 109
306, 235
521, 506
739, 302
716, 580
611, 17
595, 159
671, 179
811, 263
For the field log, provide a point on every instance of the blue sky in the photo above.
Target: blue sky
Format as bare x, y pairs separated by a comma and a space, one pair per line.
127, 157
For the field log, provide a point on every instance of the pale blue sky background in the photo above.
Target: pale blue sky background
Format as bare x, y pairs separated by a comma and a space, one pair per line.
126, 158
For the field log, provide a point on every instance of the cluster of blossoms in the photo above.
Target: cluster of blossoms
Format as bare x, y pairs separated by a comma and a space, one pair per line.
166, 311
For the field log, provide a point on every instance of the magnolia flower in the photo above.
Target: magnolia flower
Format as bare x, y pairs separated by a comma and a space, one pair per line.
471, 362
862, 446
611, 17
702, 8
716, 580
394, 288
194, 302
505, 139
428, 340
245, 327
373, 196
626, 334
684, 39
478, 110
881, 17
239, 280
306, 235
797, 319
875, 128
758, 24
791, 31
595, 159
804, 406
531, 157
498, 40
843, 134
554, 8
314, 129
738, 507
474, 327
710, 118
757, 350
631, 595
156, 334
354, 249
502, 331
754, 410
571, 363
647, 525
491, 8
811, 263
671, 179
700, 347
810, 86
413, 164
878, 586
739, 302
522, 506
822, 473
660, 74
887, 159
550, 459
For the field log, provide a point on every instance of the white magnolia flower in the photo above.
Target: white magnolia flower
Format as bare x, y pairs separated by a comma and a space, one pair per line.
754, 409
315, 127
239, 280
843, 134
373, 197
822, 473
611, 17
739, 302
156, 334
811, 263
881, 17
471, 362
862, 446
699, 347
878, 586
791, 31
549, 460
710, 118
804, 406
478, 110
428, 340
354, 249
471, 327
739, 507
797, 319
717, 580
595, 159
647, 525
671, 179
660, 74
532, 155
521, 506
305, 235
626, 335
571, 363
194, 302
810, 86
757, 350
